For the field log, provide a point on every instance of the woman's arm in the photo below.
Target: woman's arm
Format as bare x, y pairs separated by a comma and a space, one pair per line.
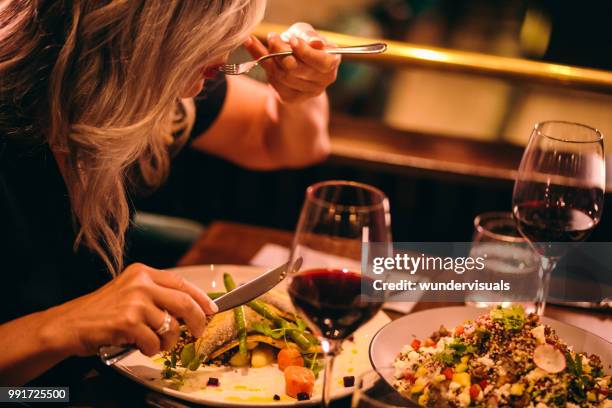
284, 123
128, 310
30, 346
256, 129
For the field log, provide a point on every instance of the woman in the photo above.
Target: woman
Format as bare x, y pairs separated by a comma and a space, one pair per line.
94, 100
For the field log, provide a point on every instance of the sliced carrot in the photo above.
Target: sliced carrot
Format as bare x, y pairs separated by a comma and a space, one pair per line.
289, 357
298, 380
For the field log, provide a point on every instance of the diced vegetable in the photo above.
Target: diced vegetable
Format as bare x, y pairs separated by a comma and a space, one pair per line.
474, 391
289, 357
240, 360
549, 358
512, 317
261, 356
429, 342
517, 389
419, 386
212, 382
348, 381
416, 343
298, 380
464, 379
409, 376
420, 372
448, 373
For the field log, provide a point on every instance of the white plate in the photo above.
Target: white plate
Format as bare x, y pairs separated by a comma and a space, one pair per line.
252, 386
388, 342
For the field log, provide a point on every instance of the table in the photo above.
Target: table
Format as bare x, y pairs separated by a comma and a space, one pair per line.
232, 243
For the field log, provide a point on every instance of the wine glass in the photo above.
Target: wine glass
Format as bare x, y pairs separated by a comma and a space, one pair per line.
559, 192
329, 292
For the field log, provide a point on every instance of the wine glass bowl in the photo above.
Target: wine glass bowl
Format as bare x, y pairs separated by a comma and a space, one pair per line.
559, 190
329, 292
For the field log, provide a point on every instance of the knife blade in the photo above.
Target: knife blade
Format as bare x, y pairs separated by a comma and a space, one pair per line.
237, 297
254, 288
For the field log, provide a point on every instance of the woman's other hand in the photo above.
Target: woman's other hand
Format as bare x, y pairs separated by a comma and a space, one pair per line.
306, 73
129, 310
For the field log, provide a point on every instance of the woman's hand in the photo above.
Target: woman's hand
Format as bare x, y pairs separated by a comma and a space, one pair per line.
129, 310
306, 73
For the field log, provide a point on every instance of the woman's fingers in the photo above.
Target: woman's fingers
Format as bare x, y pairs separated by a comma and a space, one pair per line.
155, 319
145, 339
298, 84
172, 280
275, 44
314, 58
257, 50
181, 306
306, 32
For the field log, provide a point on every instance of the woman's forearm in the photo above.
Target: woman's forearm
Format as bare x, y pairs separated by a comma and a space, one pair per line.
297, 134
30, 346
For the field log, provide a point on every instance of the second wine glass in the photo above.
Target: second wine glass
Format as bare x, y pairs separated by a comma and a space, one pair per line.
559, 192
336, 219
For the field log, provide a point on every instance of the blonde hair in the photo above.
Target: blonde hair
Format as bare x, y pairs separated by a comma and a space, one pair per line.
100, 81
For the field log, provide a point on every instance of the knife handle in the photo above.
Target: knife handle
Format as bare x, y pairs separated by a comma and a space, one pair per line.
111, 354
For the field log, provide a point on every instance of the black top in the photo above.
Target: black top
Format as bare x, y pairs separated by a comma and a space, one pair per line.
38, 265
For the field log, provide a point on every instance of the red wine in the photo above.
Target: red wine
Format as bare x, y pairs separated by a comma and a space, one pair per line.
332, 300
542, 223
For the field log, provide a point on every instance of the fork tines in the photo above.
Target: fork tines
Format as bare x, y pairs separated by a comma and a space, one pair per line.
230, 69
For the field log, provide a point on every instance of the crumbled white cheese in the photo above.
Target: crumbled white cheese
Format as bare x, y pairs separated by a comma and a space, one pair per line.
407, 349
504, 390
464, 398
535, 374
486, 361
454, 386
538, 333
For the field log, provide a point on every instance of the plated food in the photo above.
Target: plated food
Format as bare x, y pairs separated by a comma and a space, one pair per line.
250, 385
262, 332
501, 358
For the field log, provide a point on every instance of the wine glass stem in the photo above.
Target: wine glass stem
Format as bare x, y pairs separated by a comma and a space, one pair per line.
547, 264
331, 349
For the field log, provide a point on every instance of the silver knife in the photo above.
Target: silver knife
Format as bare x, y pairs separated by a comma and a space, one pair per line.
237, 297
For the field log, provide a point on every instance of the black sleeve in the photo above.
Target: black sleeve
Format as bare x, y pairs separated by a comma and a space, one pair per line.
209, 104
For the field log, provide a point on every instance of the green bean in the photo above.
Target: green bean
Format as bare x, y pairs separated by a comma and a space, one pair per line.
292, 330
239, 316
215, 295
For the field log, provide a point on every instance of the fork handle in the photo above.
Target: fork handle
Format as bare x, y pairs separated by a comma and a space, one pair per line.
375, 48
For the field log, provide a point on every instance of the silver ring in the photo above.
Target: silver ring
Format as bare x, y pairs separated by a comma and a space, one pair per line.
165, 326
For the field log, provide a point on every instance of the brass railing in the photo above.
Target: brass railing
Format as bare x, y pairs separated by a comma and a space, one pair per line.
401, 54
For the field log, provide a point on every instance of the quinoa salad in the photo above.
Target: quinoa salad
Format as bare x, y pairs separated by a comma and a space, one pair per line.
504, 358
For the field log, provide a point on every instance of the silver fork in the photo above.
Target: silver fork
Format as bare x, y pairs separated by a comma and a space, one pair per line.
239, 69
